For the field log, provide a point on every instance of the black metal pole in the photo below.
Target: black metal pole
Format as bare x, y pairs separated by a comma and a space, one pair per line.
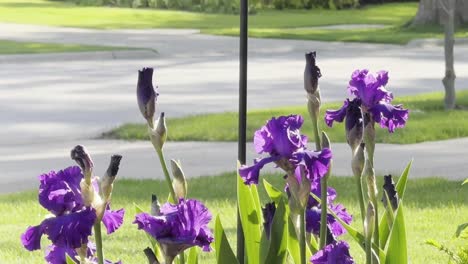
242, 111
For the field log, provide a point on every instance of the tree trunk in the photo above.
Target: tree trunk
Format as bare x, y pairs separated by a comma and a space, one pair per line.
430, 12
449, 79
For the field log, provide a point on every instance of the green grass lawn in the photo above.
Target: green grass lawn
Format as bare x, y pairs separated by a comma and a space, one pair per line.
429, 203
267, 23
15, 47
428, 121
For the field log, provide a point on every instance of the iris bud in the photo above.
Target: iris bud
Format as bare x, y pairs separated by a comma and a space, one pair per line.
311, 73
150, 256
81, 156
155, 206
325, 141
158, 135
369, 221
268, 213
109, 177
146, 95
354, 124
390, 192
358, 160
299, 188
179, 183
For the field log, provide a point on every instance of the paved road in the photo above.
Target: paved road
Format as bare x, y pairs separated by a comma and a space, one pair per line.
21, 165
54, 101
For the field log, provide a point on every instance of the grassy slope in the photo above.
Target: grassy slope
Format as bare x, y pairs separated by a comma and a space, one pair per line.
426, 214
14, 47
267, 23
428, 121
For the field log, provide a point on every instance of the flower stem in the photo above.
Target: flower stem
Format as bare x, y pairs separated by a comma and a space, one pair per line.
98, 240
166, 174
369, 250
302, 238
360, 196
323, 212
315, 129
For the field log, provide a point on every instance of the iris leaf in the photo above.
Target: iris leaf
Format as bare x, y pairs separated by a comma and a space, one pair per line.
278, 236
193, 256
224, 253
397, 249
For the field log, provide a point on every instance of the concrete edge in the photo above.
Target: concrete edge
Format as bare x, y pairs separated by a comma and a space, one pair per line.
434, 42
76, 56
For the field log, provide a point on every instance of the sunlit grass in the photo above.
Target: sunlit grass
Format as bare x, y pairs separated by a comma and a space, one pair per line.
15, 47
428, 121
428, 205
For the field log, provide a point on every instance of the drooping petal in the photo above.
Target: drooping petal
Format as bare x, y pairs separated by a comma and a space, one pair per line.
57, 255
250, 174
31, 238
336, 115
337, 252
60, 192
335, 226
70, 230
112, 220
155, 226
390, 116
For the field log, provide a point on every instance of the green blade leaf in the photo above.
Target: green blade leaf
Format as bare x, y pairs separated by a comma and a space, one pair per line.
278, 236
248, 203
293, 243
69, 260
157, 251
193, 256
400, 187
275, 194
224, 253
397, 249
465, 182
460, 229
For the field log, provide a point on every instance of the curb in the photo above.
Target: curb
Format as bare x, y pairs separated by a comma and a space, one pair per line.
77, 56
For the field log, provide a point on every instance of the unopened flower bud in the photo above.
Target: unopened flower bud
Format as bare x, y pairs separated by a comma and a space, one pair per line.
371, 184
299, 188
158, 135
179, 183
311, 73
146, 95
150, 256
325, 141
268, 214
358, 160
390, 192
81, 156
109, 177
354, 124
155, 206
369, 222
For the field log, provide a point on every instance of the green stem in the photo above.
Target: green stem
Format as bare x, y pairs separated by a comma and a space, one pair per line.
323, 213
360, 197
302, 238
376, 222
182, 258
98, 240
315, 129
369, 250
166, 174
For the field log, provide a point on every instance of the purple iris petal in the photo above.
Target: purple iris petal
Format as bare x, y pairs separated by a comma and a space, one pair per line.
280, 136
335, 226
313, 220
331, 195
179, 226
389, 116
71, 230
112, 220
250, 174
368, 88
334, 253
31, 239
336, 115
60, 192
316, 162
57, 255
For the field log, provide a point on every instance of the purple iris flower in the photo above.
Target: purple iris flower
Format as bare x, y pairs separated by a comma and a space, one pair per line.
146, 95
281, 139
60, 193
335, 227
373, 99
178, 226
337, 252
